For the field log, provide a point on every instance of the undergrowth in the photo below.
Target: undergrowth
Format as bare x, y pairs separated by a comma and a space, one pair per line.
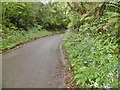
92, 54
15, 37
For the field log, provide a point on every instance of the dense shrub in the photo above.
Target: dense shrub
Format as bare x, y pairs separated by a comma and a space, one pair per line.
93, 52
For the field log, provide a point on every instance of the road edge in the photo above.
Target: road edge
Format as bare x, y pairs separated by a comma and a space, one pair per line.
25, 43
69, 75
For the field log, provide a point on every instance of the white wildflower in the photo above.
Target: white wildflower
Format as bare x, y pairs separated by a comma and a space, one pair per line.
107, 86
108, 34
95, 84
111, 74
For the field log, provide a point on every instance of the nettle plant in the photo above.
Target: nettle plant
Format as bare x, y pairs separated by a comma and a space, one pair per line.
92, 57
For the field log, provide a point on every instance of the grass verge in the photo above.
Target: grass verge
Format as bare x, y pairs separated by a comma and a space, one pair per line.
14, 38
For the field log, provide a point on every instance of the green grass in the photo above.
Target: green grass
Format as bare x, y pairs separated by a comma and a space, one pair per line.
13, 37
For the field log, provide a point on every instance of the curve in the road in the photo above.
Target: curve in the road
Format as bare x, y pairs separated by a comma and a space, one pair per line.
39, 64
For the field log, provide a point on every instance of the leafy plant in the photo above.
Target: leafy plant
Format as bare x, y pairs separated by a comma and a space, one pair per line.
93, 50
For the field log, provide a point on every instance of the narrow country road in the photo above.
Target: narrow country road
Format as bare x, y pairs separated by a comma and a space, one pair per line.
38, 64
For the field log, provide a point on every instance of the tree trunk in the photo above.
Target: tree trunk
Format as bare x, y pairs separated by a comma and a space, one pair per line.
99, 10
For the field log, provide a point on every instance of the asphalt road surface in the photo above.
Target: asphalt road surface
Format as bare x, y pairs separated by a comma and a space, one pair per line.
38, 64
